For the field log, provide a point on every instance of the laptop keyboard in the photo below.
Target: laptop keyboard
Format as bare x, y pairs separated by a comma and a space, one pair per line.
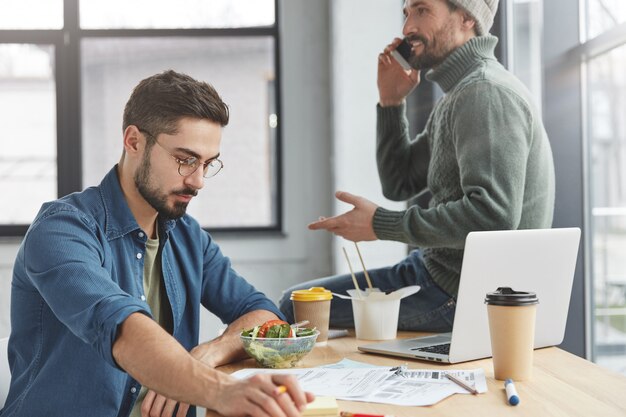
443, 349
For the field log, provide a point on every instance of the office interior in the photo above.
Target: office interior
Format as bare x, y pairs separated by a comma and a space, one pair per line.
300, 79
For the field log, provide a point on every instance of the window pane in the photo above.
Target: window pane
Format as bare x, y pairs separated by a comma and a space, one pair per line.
241, 194
606, 107
28, 168
181, 14
604, 15
525, 47
18, 14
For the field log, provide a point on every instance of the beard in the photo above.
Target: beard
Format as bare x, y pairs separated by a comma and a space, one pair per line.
434, 52
157, 198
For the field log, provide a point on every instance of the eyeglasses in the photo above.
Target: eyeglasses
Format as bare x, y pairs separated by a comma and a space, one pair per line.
189, 165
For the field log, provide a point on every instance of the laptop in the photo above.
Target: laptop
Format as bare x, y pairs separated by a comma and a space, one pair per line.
539, 260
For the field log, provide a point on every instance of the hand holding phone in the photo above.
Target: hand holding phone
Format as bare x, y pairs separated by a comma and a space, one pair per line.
402, 54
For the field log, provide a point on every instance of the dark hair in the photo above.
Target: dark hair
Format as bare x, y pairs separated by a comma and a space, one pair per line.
451, 6
160, 101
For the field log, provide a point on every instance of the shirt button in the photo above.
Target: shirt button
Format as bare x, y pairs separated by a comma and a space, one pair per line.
139, 256
133, 390
143, 297
140, 234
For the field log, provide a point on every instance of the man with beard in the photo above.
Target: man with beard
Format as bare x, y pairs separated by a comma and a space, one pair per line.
108, 283
484, 156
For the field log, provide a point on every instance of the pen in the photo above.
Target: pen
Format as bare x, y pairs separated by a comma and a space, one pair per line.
511, 392
461, 384
349, 414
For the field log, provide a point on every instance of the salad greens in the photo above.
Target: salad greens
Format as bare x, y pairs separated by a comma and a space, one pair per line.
277, 329
275, 344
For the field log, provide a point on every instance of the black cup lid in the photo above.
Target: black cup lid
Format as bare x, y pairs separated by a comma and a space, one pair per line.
506, 296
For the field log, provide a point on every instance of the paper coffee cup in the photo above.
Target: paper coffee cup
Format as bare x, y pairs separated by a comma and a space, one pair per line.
375, 319
313, 305
512, 330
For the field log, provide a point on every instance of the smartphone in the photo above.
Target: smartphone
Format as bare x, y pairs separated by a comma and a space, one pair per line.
402, 54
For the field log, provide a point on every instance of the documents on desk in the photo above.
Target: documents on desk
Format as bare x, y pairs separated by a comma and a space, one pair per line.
412, 387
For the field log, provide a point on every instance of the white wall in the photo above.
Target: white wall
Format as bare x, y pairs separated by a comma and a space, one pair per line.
360, 31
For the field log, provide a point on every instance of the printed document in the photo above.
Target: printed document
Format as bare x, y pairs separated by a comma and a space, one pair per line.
356, 381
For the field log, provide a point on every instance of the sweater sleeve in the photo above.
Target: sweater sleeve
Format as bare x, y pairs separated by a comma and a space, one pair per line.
402, 163
491, 129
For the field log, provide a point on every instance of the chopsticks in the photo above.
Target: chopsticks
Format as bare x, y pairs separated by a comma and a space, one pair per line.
367, 276
356, 284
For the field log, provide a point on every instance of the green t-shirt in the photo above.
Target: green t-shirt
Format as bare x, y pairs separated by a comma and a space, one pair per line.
156, 297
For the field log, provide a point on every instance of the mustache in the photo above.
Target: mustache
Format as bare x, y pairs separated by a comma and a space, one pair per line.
187, 191
422, 39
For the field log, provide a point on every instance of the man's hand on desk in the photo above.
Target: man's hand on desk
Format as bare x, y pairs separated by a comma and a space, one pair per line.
227, 347
259, 396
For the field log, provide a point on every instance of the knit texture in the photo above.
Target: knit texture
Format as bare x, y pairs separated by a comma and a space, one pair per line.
483, 12
484, 156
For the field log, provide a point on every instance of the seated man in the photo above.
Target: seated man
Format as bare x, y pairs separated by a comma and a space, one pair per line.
484, 156
108, 283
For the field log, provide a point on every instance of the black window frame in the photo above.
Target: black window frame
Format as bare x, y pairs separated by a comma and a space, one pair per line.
67, 75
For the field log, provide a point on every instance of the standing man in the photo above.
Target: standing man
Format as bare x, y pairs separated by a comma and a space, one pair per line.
484, 156
108, 283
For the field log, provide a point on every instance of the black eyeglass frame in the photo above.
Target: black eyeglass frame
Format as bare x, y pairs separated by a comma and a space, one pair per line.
191, 162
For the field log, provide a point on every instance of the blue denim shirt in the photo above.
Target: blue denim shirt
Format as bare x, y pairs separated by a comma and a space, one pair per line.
78, 275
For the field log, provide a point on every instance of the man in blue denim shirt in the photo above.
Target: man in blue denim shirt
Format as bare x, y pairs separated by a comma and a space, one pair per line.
108, 283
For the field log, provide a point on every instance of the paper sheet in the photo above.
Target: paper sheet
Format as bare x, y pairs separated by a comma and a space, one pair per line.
356, 381
347, 383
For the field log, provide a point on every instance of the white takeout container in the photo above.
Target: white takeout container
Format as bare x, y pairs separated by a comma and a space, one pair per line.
376, 313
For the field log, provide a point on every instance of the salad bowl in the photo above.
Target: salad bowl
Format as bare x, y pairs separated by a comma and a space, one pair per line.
284, 352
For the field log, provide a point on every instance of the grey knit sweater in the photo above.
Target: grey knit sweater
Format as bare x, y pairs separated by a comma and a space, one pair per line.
484, 155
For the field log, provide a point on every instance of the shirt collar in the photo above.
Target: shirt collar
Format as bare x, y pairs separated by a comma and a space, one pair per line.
454, 68
119, 219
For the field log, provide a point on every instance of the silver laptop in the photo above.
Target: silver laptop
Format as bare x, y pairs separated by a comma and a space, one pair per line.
541, 261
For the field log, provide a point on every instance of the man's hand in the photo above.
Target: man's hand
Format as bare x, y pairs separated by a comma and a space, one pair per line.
227, 348
257, 396
156, 405
356, 224
394, 82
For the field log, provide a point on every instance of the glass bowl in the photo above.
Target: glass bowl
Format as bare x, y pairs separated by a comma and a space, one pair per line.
278, 353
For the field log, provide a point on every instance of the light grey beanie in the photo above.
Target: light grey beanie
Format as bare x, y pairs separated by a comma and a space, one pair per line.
482, 11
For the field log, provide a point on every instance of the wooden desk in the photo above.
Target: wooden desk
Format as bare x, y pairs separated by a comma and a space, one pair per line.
562, 385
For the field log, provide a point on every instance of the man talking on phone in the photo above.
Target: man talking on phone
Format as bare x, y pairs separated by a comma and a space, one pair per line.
484, 156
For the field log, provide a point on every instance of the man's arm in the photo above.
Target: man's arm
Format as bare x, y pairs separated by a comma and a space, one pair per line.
144, 350
158, 361
227, 348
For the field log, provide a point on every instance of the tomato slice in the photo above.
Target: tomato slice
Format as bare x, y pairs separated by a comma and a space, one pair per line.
265, 327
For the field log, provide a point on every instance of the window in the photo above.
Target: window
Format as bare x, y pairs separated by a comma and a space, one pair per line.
18, 14
524, 48
602, 15
584, 109
606, 157
28, 142
62, 100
